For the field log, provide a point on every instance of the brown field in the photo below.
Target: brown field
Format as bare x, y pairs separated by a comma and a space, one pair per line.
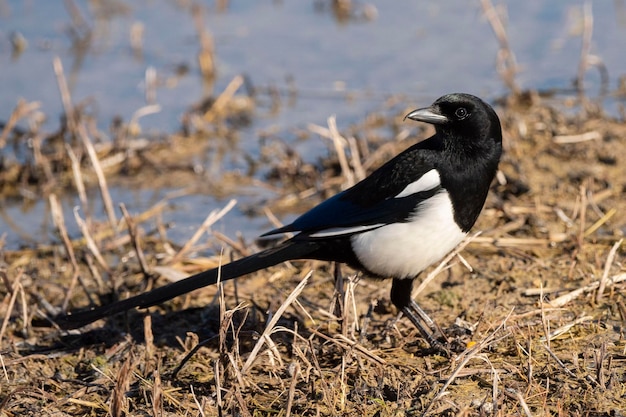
535, 302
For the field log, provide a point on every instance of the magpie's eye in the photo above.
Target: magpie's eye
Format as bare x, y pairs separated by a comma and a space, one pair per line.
461, 113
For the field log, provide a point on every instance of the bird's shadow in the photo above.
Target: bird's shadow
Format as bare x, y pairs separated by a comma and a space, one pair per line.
167, 329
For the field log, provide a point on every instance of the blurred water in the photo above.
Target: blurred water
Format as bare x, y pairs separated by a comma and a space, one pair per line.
347, 68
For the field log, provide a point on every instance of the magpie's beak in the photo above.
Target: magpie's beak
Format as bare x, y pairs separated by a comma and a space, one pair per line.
428, 115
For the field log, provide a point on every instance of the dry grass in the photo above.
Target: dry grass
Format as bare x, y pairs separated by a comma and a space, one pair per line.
537, 298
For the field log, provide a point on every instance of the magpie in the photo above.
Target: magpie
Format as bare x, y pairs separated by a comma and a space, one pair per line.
402, 218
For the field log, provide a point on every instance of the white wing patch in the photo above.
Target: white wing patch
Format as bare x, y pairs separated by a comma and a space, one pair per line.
428, 181
338, 231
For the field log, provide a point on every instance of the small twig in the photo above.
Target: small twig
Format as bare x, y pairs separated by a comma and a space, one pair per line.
563, 217
151, 82
534, 312
295, 373
210, 220
600, 222
89, 240
572, 375
582, 137
78, 177
217, 109
582, 215
359, 171
206, 55
218, 387
513, 242
157, 394
361, 349
119, 401
270, 325
237, 246
79, 23
506, 62
149, 338
563, 329
465, 358
243, 408
494, 388
348, 344
135, 39
59, 221
517, 395
340, 148
133, 124
585, 49
97, 167
566, 298
200, 408
236, 370
6, 377
79, 130
339, 143
189, 355
151, 383
272, 352
66, 98
134, 237
600, 355
14, 288
607, 268
272, 218
22, 109
545, 323
530, 363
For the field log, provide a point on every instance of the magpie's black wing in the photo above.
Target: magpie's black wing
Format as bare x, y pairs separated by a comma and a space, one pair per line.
390, 194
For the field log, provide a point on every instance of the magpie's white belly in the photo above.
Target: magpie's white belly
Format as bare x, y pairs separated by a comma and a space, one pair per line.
403, 250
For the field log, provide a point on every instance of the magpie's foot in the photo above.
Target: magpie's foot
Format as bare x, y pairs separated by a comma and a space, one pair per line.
442, 348
459, 336
456, 345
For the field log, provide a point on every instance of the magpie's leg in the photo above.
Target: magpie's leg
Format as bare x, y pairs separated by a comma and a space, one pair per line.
401, 298
429, 336
340, 290
413, 306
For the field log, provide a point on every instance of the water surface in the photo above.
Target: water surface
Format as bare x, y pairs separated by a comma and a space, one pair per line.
347, 68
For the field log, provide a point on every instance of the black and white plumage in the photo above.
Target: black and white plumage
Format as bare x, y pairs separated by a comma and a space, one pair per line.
402, 218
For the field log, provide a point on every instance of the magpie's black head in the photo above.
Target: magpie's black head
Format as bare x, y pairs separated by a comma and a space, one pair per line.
462, 119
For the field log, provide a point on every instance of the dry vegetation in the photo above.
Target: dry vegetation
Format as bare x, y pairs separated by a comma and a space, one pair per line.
536, 301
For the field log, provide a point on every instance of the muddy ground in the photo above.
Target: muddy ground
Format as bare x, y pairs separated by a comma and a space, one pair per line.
536, 301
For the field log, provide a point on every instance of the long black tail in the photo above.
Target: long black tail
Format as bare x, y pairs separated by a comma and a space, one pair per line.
285, 252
